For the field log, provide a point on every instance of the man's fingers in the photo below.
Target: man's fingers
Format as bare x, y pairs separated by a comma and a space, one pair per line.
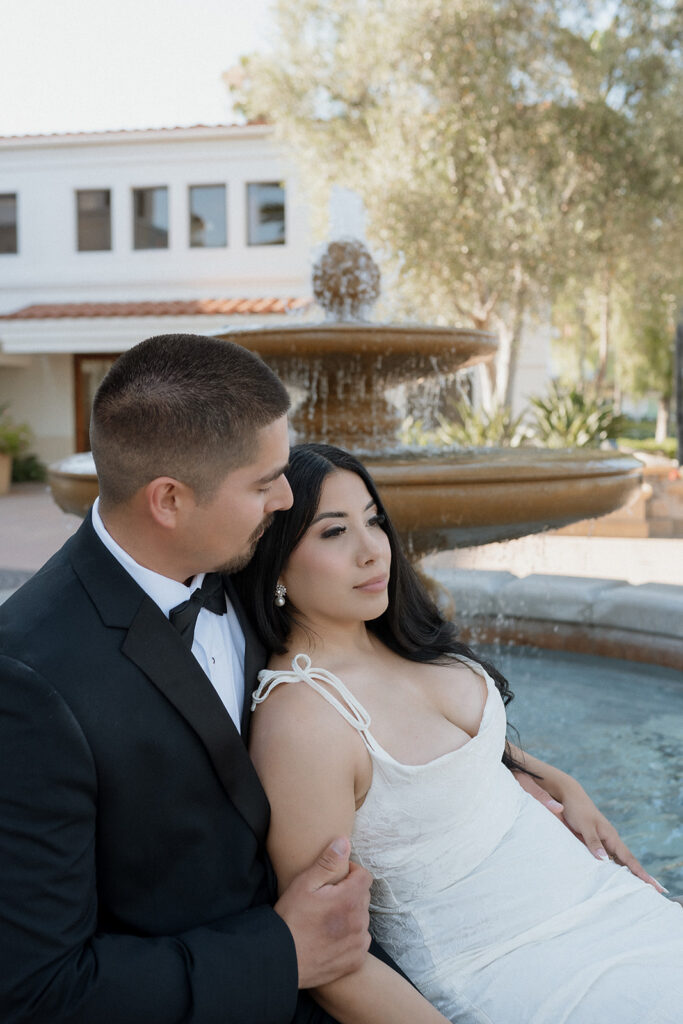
331, 866
326, 909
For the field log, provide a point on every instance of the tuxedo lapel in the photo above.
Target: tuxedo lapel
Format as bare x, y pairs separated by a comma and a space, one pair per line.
255, 654
157, 649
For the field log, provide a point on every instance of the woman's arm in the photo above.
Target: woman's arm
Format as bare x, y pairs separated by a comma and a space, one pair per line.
376, 994
579, 813
315, 768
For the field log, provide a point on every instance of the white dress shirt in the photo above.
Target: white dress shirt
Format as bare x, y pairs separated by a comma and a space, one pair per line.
218, 643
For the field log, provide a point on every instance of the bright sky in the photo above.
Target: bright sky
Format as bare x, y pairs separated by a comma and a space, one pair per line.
87, 65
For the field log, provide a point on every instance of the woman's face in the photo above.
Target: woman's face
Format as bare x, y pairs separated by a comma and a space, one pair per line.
339, 571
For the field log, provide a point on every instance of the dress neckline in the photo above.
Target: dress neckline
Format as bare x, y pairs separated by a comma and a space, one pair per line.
355, 713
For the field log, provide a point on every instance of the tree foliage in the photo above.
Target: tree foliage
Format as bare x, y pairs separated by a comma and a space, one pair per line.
501, 147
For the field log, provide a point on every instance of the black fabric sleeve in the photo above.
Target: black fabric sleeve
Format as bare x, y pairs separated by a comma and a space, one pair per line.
56, 968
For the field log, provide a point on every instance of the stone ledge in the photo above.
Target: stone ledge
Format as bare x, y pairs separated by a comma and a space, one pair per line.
601, 616
603, 641
651, 608
554, 598
474, 591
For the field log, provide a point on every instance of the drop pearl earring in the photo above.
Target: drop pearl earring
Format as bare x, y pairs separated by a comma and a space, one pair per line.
280, 592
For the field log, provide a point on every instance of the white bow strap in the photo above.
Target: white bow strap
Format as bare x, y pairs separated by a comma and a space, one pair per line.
351, 710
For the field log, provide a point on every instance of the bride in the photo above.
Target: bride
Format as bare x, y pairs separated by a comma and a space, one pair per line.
374, 721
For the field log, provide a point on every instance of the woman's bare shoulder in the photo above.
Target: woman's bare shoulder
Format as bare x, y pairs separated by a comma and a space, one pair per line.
293, 709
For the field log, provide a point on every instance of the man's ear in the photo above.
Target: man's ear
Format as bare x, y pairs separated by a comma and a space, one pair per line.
166, 499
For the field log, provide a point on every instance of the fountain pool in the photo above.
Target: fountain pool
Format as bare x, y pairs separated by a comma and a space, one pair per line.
618, 727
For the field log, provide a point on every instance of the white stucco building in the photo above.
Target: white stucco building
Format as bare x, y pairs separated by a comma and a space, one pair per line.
109, 238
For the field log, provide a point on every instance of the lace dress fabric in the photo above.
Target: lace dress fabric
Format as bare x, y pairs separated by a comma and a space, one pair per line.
489, 904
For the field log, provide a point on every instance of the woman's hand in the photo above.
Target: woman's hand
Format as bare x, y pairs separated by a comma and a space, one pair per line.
567, 799
600, 836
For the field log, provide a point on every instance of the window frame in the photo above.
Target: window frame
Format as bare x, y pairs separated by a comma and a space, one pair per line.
208, 185
278, 184
78, 193
150, 188
15, 250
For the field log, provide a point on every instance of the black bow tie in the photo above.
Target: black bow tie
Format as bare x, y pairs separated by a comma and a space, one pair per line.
210, 595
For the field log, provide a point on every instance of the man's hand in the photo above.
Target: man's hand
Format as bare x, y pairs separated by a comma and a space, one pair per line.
326, 909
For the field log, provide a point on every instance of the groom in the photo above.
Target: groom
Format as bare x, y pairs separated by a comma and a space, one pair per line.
134, 883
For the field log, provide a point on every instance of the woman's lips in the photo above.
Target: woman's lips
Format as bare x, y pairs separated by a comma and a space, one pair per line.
373, 586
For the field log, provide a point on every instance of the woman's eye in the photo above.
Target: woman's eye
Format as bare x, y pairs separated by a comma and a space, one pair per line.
334, 531
377, 520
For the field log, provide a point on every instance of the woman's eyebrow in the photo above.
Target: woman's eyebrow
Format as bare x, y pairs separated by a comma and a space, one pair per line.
338, 515
328, 515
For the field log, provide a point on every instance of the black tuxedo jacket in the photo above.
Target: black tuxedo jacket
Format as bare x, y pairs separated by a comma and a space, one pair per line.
134, 884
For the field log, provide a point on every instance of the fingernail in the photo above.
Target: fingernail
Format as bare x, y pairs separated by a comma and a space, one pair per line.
602, 854
658, 884
555, 805
341, 847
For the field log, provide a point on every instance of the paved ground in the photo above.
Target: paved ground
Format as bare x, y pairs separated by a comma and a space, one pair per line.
32, 528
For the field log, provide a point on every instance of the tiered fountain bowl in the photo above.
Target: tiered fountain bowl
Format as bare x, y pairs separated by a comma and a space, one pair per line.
350, 380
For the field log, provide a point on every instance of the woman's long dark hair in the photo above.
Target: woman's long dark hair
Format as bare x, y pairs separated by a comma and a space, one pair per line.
412, 625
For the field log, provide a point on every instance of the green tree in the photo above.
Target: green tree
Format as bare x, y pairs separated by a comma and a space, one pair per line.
646, 362
499, 146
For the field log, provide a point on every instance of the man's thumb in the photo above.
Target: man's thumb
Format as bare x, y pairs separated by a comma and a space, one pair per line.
333, 863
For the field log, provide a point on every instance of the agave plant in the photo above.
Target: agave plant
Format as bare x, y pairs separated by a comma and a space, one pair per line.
474, 428
566, 418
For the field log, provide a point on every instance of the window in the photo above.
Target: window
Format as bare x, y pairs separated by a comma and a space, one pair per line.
8, 222
93, 211
265, 213
207, 216
150, 218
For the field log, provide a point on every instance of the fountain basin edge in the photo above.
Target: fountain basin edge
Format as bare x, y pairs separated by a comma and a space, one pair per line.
459, 500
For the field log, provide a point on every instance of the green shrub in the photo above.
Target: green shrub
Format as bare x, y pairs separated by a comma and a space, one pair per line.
565, 418
14, 437
667, 447
28, 468
474, 428
637, 429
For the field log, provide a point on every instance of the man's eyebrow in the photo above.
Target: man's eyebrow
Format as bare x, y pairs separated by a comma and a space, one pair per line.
338, 515
273, 476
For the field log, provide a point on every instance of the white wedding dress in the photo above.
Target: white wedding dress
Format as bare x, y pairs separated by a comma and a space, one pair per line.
489, 904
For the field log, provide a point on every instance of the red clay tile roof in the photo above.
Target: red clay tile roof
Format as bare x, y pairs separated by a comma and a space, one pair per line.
190, 307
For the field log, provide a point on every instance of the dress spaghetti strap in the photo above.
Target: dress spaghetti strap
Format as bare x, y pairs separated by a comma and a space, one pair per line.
302, 671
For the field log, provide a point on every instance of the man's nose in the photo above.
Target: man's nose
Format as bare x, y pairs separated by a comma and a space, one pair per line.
281, 496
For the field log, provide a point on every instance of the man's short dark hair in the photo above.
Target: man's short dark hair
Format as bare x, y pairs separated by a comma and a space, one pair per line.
184, 406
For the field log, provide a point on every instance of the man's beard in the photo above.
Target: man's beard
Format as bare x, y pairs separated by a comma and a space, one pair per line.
243, 560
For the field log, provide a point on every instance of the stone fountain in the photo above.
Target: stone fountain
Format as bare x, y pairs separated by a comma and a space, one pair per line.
348, 379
